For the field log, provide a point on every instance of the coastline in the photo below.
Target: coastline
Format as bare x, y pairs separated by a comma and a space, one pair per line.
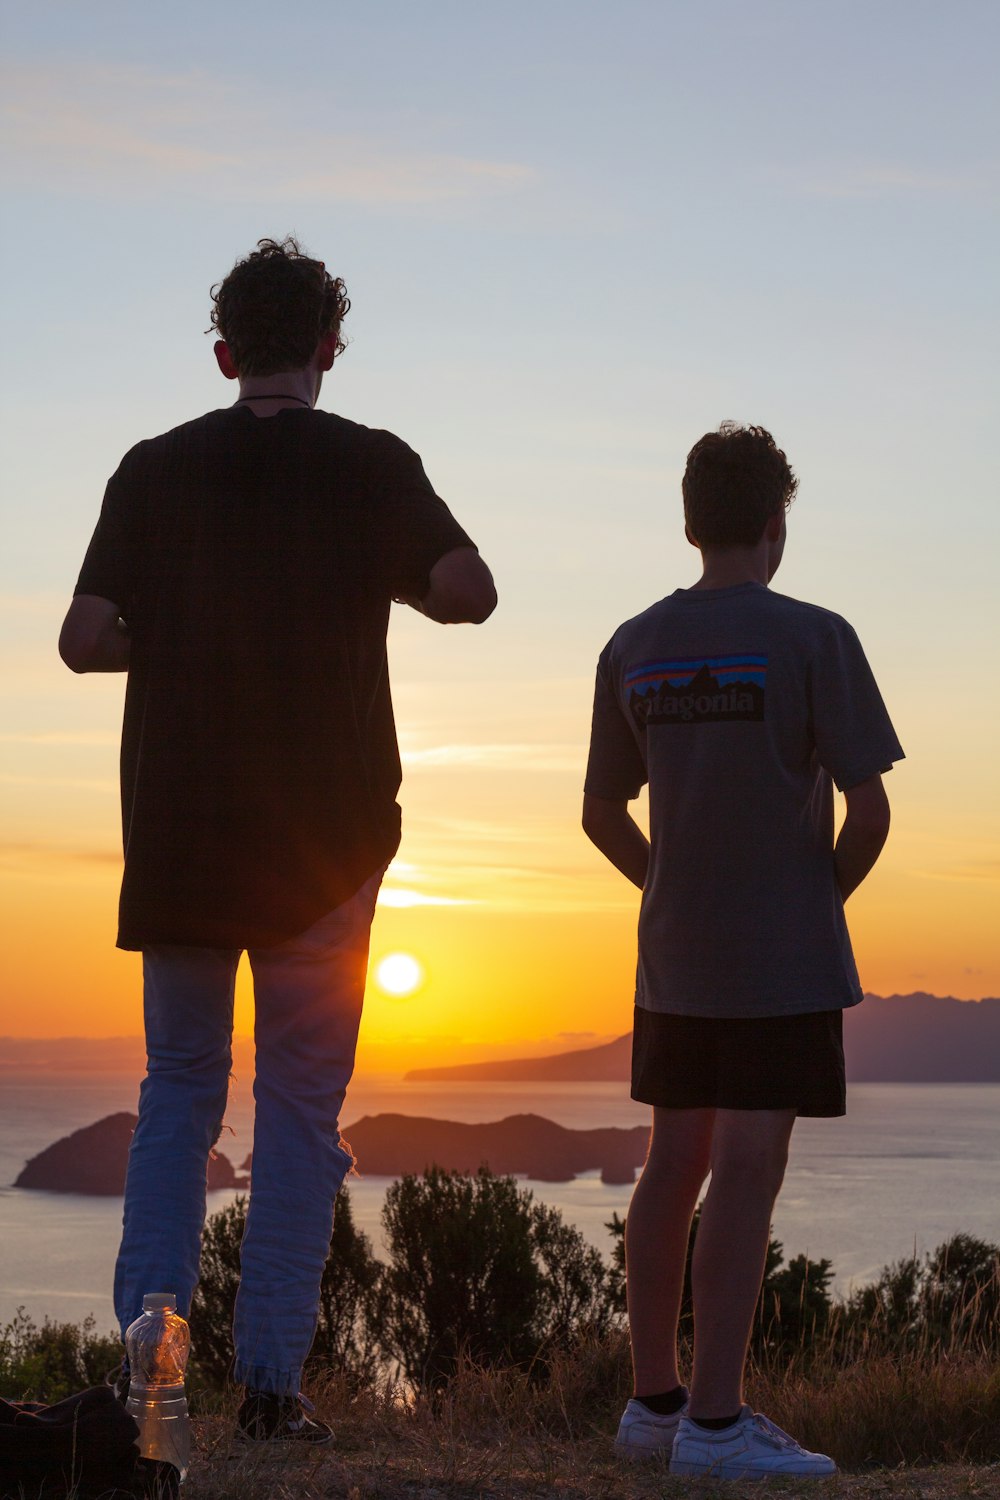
908, 1166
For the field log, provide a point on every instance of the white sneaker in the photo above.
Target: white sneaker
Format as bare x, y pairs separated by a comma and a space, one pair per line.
641, 1433
752, 1448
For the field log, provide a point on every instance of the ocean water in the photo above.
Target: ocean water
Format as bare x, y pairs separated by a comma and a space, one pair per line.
909, 1166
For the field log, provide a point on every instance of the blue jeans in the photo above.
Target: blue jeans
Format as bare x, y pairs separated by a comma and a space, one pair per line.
308, 996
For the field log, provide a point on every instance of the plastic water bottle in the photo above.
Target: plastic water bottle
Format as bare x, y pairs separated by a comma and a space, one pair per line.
157, 1344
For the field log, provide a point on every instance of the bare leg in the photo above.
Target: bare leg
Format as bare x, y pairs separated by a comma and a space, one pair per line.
656, 1236
749, 1152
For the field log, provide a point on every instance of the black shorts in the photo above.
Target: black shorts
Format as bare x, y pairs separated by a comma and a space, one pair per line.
765, 1062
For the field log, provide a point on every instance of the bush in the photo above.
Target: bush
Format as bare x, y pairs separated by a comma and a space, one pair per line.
479, 1273
343, 1341
461, 1279
793, 1308
51, 1362
948, 1299
578, 1293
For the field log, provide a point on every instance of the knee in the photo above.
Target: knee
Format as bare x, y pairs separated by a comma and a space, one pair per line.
686, 1164
761, 1162
195, 1087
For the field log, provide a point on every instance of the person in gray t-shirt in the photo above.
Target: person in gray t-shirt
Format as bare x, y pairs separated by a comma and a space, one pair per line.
741, 708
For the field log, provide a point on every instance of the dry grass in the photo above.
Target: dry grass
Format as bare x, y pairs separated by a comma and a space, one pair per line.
926, 1430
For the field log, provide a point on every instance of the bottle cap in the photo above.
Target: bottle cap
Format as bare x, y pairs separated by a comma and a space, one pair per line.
157, 1301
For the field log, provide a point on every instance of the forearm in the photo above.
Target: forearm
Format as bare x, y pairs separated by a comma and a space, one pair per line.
460, 590
94, 638
611, 827
855, 854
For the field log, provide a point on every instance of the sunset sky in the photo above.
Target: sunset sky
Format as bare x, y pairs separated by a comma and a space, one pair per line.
576, 236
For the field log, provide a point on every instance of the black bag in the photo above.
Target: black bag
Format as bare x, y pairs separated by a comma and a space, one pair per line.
85, 1446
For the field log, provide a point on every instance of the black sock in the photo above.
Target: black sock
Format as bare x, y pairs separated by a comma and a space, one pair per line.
666, 1403
716, 1424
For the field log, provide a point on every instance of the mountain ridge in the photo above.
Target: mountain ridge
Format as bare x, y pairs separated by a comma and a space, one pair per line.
939, 1039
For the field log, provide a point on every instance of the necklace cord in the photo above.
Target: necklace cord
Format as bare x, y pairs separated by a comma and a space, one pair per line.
275, 396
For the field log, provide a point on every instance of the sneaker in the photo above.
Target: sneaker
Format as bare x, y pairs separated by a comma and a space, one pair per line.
752, 1448
641, 1433
266, 1418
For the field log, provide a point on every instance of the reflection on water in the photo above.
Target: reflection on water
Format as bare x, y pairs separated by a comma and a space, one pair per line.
908, 1166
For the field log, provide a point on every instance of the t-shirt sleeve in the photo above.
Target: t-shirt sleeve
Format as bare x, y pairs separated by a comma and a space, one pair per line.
615, 768
109, 567
413, 526
853, 733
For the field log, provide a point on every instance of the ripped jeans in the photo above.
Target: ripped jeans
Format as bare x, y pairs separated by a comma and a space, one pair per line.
308, 995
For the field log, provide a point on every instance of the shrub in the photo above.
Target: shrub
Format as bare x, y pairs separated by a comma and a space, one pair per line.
51, 1362
479, 1273
461, 1279
343, 1340
948, 1299
578, 1293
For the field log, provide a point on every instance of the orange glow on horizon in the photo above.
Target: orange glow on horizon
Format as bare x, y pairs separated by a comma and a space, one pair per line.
525, 936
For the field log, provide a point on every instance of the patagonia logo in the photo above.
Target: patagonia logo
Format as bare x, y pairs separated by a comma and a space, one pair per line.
698, 689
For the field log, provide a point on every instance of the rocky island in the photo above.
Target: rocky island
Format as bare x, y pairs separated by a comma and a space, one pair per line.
389, 1145
93, 1161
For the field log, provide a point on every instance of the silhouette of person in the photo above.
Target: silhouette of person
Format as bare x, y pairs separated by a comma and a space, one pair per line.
242, 572
739, 707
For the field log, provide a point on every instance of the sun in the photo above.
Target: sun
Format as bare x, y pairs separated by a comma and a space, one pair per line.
399, 974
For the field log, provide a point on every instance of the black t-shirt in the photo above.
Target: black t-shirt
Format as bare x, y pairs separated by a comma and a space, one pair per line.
254, 561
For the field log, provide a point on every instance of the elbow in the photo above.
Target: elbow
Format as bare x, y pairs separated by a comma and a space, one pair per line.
473, 599
869, 828
595, 819
461, 606
480, 608
867, 815
72, 654
461, 589
877, 827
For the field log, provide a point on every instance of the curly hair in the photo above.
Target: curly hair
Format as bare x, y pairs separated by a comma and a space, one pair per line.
275, 306
736, 479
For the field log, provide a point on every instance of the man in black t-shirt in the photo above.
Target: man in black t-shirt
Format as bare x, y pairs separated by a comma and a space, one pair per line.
242, 572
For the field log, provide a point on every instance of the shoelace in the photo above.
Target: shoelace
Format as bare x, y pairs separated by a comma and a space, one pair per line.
304, 1409
772, 1433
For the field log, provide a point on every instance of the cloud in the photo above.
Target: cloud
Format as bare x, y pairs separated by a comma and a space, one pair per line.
511, 757
515, 887
77, 783
399, 896
100, 126
42, 604
14, 854
976, 870
62, 737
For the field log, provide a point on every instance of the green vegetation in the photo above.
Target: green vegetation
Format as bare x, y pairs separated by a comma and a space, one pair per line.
480, 1272
345, 1334
52, 1361
488, 1352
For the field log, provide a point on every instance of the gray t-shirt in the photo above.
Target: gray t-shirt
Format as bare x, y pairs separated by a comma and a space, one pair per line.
738, 706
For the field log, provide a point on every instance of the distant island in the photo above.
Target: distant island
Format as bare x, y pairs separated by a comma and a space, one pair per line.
93, 1161
389, 1145
900, 1039
914, 1038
